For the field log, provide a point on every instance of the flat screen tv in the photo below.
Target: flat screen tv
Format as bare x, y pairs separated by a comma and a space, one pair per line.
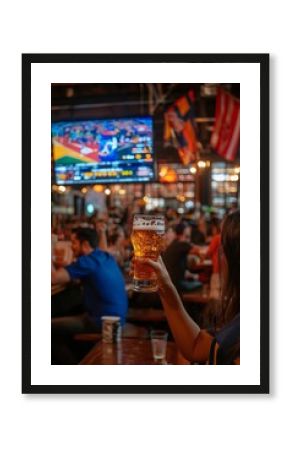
103, 151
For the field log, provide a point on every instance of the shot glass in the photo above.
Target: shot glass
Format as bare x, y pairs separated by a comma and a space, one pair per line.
159, 345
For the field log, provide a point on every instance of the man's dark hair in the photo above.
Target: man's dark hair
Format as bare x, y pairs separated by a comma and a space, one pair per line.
86, 234
180, 227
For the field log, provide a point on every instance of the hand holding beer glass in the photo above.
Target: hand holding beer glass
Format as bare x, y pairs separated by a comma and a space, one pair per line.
148, 240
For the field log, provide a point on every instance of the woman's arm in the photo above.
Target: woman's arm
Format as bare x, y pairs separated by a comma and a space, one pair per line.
193, 342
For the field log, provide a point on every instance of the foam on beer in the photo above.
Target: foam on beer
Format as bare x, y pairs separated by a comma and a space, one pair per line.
150, 223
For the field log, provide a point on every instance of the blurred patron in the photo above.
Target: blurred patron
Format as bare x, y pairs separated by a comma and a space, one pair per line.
104, 291
197, 233
115, 247
169, 237
175, 259
213, 254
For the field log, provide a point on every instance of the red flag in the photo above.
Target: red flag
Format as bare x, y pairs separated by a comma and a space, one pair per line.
225, 138
179, 127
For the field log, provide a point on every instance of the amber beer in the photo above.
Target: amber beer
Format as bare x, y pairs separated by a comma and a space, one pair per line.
148, 240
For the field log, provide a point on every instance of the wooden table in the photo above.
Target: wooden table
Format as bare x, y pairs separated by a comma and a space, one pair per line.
130, 351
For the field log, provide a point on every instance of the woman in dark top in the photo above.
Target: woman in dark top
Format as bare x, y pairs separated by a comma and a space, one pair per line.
199, 345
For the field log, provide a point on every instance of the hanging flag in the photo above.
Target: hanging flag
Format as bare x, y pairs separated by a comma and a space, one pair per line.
179, 129
225, 138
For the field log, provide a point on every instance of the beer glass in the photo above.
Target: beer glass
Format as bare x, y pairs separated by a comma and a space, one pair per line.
148, 241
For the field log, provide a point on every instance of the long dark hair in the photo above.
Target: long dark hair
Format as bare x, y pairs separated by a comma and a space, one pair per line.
230, 247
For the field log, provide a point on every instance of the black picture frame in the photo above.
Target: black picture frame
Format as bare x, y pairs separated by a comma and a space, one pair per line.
263, 61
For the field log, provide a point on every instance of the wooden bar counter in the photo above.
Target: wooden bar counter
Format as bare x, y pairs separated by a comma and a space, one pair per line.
129, 351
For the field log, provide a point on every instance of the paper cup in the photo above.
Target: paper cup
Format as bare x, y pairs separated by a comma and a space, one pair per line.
111, 329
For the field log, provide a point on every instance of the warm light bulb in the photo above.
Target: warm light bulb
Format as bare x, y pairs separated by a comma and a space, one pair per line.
192, 170
98, 188
163, 171
201, 164
107, 191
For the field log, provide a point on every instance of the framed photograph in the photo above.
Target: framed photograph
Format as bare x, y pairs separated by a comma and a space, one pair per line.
145, 155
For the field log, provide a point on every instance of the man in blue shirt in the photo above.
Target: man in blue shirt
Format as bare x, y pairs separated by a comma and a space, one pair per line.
104, 288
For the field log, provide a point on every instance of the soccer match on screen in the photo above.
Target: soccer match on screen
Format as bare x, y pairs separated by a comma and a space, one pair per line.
103, 150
